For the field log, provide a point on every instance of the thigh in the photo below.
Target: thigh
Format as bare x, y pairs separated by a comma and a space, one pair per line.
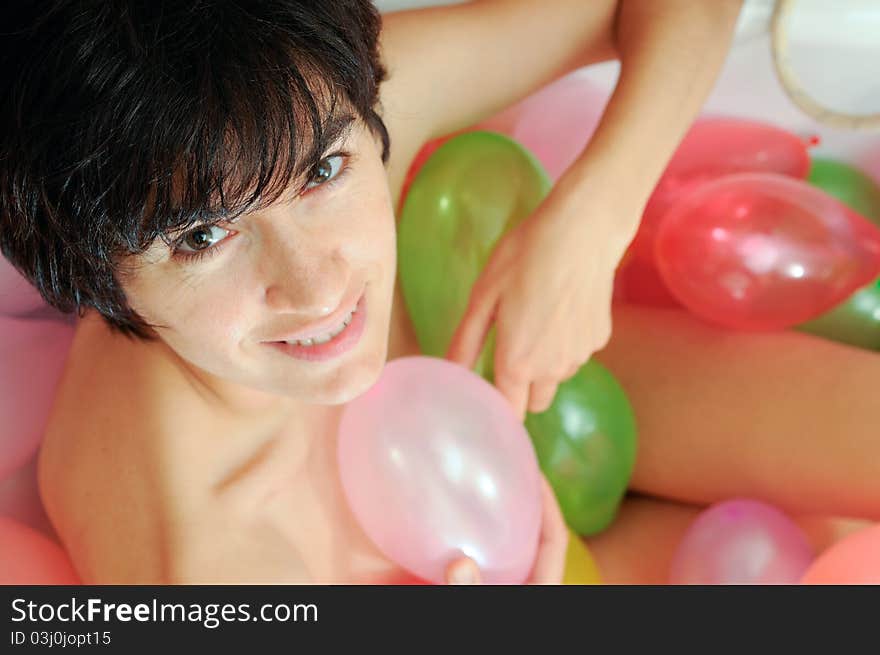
784, 417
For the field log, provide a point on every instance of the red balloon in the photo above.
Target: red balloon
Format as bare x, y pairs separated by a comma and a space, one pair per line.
721, 145
712, 148
29, 558
760, 251
855, 560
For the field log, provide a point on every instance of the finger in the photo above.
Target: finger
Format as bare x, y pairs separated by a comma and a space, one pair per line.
516, 392
571, 372
463, 570
541, 394
553, 542
511, 378
469, 337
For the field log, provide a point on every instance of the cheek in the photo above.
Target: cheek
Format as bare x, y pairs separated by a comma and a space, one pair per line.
372, 219
204, 314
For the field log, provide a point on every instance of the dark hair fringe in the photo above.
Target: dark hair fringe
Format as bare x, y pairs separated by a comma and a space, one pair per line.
124, 121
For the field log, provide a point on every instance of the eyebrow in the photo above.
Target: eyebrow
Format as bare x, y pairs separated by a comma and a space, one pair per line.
337, 127
334, 130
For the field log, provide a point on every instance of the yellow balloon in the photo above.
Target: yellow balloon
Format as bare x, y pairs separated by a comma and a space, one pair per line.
580, 567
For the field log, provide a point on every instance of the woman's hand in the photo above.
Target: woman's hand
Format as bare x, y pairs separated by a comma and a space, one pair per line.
547, 288
552, 544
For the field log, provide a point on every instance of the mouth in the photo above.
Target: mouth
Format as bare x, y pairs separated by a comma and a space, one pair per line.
331, 343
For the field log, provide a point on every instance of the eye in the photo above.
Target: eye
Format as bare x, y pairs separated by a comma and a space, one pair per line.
326, 169
200, 239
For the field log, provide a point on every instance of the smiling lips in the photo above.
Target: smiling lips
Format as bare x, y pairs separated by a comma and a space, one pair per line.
324, 338
329, 342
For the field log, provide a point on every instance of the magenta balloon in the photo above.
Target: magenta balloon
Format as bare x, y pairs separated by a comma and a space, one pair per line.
17, 295
555, 123
435, 465
32, 356
764, 251
742, 542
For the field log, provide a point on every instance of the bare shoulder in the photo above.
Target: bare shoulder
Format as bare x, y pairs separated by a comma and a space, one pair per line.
97, 473
129, 480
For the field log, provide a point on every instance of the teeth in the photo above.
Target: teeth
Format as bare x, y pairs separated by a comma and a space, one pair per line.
324, 338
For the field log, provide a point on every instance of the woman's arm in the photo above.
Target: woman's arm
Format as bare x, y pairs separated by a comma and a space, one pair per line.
670, 54
451, 66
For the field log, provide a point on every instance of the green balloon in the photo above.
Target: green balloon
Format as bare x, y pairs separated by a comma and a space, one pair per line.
849, 185
586, 446
856, 321
472, 189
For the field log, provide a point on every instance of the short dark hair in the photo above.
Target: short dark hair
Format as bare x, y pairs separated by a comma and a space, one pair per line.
124, 120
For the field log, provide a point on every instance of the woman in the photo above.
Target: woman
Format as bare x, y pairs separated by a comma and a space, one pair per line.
211, 186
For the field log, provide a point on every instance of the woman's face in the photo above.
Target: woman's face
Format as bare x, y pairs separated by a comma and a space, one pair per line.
315, 271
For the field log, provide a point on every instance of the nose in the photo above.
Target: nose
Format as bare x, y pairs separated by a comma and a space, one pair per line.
311, 285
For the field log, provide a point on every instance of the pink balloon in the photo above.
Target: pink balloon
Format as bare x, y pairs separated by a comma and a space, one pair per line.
29, 558
741, 542
555, 123
435, 465
20, 499
854, 560
17, 295
713, 147
760, 251
32, 357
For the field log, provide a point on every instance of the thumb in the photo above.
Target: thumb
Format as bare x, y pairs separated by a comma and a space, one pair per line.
464, 571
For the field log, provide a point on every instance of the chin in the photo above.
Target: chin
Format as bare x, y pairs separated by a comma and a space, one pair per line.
353, 380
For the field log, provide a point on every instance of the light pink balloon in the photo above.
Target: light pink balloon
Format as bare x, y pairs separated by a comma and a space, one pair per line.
555, 123
435, 465
29, 558
741, 542
32, 356
17, 295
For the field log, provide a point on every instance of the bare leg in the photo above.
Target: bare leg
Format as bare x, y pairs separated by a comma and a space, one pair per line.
638, 547
784, 417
